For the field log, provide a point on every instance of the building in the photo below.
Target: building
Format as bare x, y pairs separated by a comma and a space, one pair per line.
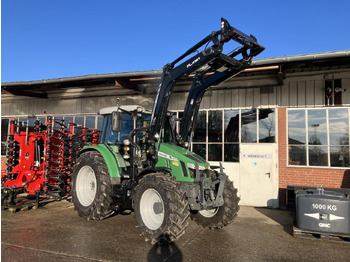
283, 122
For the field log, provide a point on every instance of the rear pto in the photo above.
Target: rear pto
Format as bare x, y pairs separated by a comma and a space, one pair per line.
142, 163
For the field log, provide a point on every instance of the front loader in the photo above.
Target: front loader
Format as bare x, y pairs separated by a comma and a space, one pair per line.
141, 163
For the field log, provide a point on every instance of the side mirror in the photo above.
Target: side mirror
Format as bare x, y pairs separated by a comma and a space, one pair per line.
116, 121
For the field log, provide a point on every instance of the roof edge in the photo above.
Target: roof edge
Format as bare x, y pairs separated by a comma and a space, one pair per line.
257, 62
298, 58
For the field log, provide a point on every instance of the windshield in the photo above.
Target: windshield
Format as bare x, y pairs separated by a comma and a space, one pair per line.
143, 120
114, 138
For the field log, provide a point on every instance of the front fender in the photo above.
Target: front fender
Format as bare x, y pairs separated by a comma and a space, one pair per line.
113, 161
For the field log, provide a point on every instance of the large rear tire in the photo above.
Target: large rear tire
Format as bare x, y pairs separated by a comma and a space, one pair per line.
161, 209
222, 216
91, 187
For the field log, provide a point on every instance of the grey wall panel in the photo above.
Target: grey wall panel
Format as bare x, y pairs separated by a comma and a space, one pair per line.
241, 98
221, 98
346, 94
249, 97
296, 91
273, 97
177, 101
310, 92
319, 93
228, 98
173, 102
284, 95
89, 105
206, 100
301, 93
214, 100
264, 99
256, 97
235, 98
293, 94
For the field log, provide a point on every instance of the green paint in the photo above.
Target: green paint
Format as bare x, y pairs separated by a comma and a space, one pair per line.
178, 154
113, 159
170, 156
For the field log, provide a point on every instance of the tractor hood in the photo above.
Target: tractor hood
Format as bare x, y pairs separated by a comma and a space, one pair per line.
180, 156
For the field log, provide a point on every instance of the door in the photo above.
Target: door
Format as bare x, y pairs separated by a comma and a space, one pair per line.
258, 172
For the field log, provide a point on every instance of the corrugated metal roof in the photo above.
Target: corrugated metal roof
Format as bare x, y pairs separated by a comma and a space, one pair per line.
147, 81
300, 58
257, 62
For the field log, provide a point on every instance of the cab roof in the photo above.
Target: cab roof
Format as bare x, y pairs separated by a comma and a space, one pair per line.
128, 108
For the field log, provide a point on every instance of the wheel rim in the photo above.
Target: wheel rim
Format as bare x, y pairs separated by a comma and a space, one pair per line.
86, 185
208, 212
152, 209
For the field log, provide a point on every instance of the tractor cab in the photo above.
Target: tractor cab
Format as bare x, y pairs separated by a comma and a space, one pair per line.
125, 131
120, 121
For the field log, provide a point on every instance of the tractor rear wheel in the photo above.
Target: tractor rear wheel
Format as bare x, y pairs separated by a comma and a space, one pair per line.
91, 187
221, 216
161, 209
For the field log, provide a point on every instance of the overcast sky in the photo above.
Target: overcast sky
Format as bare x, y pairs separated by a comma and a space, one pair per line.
43, 39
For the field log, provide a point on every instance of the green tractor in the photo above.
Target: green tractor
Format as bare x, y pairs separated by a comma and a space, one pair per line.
143, 163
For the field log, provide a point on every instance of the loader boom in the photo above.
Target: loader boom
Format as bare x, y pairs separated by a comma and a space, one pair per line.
218, 68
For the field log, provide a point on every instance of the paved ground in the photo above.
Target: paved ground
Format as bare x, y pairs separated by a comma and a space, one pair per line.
56, 233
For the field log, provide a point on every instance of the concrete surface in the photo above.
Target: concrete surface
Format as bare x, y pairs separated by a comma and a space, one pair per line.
54, 232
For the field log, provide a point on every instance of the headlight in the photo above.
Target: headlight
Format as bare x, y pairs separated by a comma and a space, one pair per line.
126, 156
193, 166
126, 142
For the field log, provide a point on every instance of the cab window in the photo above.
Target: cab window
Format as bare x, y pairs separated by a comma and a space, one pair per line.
113, 138
168, 136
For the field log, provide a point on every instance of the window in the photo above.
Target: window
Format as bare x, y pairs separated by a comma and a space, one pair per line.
4, 133
218, 133
127, 126
319, 137
99, 122
90, 121
79, 120
215, 135
248, 126
200, 131
266, 125
200, 135
168, 133
231, 132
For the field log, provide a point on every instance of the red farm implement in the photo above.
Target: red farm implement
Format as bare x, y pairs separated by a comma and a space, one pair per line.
40, 163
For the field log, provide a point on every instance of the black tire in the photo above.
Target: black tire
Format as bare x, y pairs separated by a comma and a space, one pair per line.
166, 221
221, 216
94, 204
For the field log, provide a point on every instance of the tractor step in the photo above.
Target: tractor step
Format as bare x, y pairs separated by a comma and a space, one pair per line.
325, 236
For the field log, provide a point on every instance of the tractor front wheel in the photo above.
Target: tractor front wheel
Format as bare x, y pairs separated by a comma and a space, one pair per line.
91, 187
161, 209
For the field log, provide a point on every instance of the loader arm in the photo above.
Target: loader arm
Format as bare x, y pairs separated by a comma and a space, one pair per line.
218, 68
